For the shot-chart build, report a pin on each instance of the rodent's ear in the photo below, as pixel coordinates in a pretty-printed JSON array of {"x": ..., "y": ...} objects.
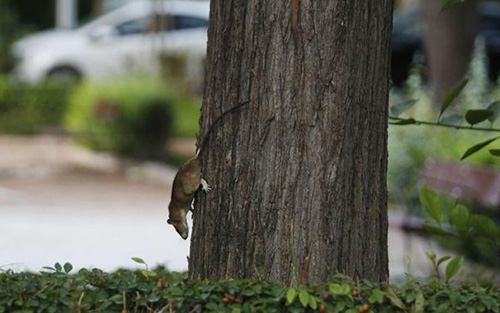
[{"x": 170, "y": 222}]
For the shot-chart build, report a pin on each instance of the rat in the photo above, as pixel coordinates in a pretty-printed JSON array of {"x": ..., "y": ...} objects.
[{"x": 187, "y": 182}]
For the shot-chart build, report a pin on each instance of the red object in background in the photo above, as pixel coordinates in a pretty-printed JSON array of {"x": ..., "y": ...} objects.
[
  {"x": 472, "y": 183},
  {"x": 105, "y": 110}
]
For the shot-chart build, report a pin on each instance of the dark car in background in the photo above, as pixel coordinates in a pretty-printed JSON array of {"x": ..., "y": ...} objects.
[{"x": 408, "y": 40}]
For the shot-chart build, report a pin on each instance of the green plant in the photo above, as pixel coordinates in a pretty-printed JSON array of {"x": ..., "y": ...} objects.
[
  {"x": 131, "y": 116},
  {"x": 425, "y": 138},
  {"x": 459, "y": 132},
  {"x": 410, "y": 148},
  {"x": 448, "y": 4},
  {"x": 27, "y": 109},
  {"x": 457, "y": 224},
  {"x": 186, "y": 112},
  {"x": 452, "y": 268},
  {"x": 61, "y": 289},
  {"x": 454, "y": 121},
  {"x": 146, "y": 272}
]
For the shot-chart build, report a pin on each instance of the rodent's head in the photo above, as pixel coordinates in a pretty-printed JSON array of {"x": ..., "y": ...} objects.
[{"x": 181, "y": 227}]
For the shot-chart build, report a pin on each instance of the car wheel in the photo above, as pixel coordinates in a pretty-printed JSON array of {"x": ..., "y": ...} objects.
[
  {"x": 493, "y": 66},
  {"x": 64, "y": 73},
  {"x": 401, "y": 64}
]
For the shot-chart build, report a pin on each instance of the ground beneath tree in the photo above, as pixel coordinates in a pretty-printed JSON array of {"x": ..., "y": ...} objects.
[{"x": 62, "y": 203}]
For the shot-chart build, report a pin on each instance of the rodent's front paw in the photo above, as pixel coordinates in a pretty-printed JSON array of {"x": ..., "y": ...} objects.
[{"x": 205, "y": 186}]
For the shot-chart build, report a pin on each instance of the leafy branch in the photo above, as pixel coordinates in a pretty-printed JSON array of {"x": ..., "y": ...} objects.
[
  {"x": 452, "y": 268},
  {"x": 409, "y": 121},
  {"x": 473, "y": 117},
  {"x": 459, "y": 222},
  {"x": 450, "y": 3}
]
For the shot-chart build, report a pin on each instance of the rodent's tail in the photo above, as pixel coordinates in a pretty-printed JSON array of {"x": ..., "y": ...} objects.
[{"x": 207, "y": 135}]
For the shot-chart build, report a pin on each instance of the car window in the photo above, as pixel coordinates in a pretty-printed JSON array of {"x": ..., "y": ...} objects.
[
  {"x": 153, "y": 23},
  {"x": 133, "y": 27},
  {"x": 178, "y": 22},
  {"x": 187, "y": 22}
]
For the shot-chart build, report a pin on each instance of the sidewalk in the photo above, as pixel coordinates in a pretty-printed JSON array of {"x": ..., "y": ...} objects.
[{"x": 61, "y": 203}]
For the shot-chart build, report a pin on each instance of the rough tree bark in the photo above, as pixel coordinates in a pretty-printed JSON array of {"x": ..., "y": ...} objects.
[
  {"x": 308, "y": 152},
  {"x": 449, "y": 43}
]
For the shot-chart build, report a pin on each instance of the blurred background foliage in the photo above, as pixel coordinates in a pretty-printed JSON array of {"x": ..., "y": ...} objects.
[
  {"x": 412, "y": 146},
  {"x": 131, "y": 116},
  {"x": 29, "y": 109}
]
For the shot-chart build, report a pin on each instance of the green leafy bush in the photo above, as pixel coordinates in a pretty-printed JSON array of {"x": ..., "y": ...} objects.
[
  {"x": 475, "y": 235},
  {"x": 131, "y": 116},
  {"x": 27, "y": 109},
  {"x": 58, "y": 290},
  {"x": 186, "y": 111}
]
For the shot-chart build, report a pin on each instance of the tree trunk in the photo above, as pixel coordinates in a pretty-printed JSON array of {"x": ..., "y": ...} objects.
[
  {"x": 299, "y": 173},
  {"x": 449, "y": 44},
  {"x": 97, "y": 7}
]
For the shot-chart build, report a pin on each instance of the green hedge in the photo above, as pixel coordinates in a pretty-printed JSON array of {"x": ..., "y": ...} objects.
[
  {"x": 58, "y": 290},
  {"x": 28, "y": 109},
  {"x": 129, "y": 116}
]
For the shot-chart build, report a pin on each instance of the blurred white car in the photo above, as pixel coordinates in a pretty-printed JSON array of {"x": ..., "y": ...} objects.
[{"x": 128, "y": 39}]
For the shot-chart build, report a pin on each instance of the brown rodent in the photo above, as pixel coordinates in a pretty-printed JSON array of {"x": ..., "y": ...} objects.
[{"x": 187, "y": 181}]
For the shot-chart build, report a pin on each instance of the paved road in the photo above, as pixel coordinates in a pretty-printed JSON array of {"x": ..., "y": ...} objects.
[
  {"x": 60, "y": 203},
  {"x": 88, "y": 221}
]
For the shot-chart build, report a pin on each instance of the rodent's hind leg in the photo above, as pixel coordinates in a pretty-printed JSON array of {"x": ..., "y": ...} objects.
[{"x": 205, "y": 186}]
